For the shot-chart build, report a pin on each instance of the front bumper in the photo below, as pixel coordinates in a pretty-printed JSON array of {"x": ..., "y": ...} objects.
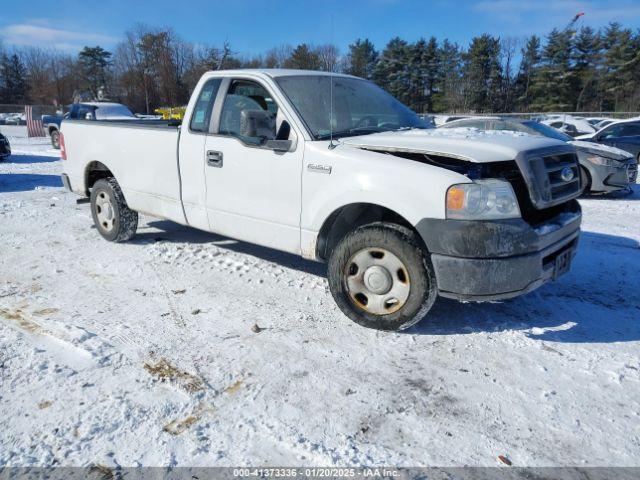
[
  {"x": 606, "y": 178},
  {"x": 491, "y": 260}
]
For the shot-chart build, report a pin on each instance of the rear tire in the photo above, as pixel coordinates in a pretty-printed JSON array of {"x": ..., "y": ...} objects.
[
  {"x": 112, "y": 216},
  {"x": 381, "y": 277},
  {"x": 55, "y": 139}
]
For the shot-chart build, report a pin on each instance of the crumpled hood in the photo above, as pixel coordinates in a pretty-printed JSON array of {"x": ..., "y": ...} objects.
[
  {"x": 600, "y": 149},
  {"x": 471, "y": 144}
]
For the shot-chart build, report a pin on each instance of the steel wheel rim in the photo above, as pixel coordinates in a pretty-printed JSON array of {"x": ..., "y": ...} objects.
[
  {"x": 377, "y": 281},
  {"x": 105, "y": 212}
]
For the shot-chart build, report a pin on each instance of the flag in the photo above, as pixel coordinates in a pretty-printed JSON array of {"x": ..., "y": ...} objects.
[{"x": 34, "y": 125}]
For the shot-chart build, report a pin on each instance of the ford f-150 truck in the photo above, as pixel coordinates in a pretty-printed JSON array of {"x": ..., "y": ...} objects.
[{"x": 333, "y": 168}]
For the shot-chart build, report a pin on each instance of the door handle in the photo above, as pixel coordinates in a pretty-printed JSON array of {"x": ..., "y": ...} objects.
[{"x": 214, "y": 159}]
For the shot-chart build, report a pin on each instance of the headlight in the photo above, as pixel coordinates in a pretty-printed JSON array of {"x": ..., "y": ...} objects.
[
  {"x": 600, "y": 160},
  {"x": 482, "y": 200}
]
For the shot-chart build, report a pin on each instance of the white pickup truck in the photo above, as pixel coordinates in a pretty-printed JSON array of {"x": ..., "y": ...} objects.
[{"x": 333, "y": 168}]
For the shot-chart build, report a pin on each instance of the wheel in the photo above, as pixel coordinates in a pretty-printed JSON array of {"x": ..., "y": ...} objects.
[
  {"x": 113, "y": 218},
  {"x": 55, "y": 139},
  {"x": 585, "y": 180},
  {"x": 381, "y": 278}
]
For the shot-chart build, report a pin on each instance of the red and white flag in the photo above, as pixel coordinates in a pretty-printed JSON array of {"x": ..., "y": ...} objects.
[{"x": 34, "y": 125}]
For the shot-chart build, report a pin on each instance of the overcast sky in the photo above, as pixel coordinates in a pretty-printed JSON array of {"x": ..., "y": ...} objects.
[{"x": 253, "y": 26}]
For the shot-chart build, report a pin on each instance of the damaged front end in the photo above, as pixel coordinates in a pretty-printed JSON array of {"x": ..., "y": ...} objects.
[{"x": 502, "y": 258}]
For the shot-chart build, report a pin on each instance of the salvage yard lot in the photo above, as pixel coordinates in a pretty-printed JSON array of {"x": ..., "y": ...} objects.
[{"x": 185, "y": 348}]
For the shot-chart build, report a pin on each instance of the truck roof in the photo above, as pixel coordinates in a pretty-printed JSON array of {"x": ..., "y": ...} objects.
[
  {"x": 100, "y": 104},
  {"x": 280, "y": 72}
]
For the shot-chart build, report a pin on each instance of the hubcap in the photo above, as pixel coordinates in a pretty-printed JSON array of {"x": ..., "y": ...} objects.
[
  {"x": 377, "y": 281},
  {"x": 105, "y": 211}
]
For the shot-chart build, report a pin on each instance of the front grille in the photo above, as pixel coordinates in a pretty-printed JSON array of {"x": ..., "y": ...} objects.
[
  {"x": 552, "y": 175},
  {"x": 556, "y": 177}
]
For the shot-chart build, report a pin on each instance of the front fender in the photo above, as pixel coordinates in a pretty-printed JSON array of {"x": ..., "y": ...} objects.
[{"x": 412, "y": 189}]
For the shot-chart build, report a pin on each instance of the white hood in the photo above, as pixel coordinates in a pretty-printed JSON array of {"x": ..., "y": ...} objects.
[
  {"x": 600, "y": 149},
  {"x": 470, "y": 144},
  {"x": 585, "y": 137}
]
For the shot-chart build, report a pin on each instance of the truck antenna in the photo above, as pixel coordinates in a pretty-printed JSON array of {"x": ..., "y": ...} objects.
[{"x": 331, "y": 144}]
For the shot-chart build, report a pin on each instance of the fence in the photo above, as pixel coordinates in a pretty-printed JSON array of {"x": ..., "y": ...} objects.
[{"x": 38, "y": 109}]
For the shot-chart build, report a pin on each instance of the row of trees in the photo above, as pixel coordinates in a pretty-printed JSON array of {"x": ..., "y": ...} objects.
[{"x": 584, "y": 70}]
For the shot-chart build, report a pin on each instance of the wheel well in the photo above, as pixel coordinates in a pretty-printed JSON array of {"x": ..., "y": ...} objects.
[
  {"x": 94, "y": 172},
  {"x": 588, "y": 178},
  {"x": 350, "y": 217},
  {"x": 52, "y": 129}
]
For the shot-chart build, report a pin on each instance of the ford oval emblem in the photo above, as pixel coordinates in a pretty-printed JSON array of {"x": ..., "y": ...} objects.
[{"x": 566, "y": 174}]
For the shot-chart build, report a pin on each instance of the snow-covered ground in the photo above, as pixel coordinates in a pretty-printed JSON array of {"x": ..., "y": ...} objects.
[{"x": 146, "y": 353}]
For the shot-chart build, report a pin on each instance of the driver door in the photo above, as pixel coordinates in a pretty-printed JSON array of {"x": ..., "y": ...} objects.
[{"x": 253, "y": 192}]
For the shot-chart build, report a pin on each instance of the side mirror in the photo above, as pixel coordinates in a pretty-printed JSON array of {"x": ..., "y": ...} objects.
[
  {"x": 278, "y": 145},
  {"x": 257, "y": 124}
]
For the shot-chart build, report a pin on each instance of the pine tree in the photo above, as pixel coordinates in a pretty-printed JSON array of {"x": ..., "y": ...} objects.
[
  {"x": 303, "y": 57},
  {"x": 528, "y": 67},
  {"x": 620, "y": 64},
  {"x": 483, "y": 73},
  {"x": 94, "y": 64},
  {"x": 13, "y": 76},
  {"x": 448, "y": 95},
  {"x": 551, "y": 85},
  {"x": 392, "y": 70},
  {"x": 585, "y": 78},
  {"x": 423, "y": 74},
  {"x": 362, "y": 59}
]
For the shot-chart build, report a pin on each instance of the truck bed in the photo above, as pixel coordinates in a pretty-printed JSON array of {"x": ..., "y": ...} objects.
[{"x": 141, "y": 154}]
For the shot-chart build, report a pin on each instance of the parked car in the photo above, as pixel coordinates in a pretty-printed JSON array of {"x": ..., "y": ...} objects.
[
  {"x": 602, "y": 168},
  {"x": 85, "y": 111},
  {"x": 624, "y": 135},
  {"x": 593, "y": 121},
  {"x": 604, "y": 123},
  {"x": 15, "y": 119},
  {"x": 442, "y": 119},
  {"x": 572, "y": 126},
  {"x": 5, "y": 148},
  {"x": 400, "y": 211}
]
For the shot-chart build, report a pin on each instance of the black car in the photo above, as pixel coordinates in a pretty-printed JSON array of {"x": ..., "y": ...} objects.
[
  {"x": 624, "y": 135},
  {"x": 5, "y": 148}
]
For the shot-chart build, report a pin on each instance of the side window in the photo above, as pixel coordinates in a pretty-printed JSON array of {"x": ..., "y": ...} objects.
[
  {"x": 83, "y": 111},
  {"x": 610, "y": 132},
  {"x": 630, "y": 130},
  {"x": 249, "y": 113},
  {"x": 202, "y": 111}
]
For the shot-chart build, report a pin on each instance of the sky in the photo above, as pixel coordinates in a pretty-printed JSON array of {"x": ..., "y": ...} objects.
[{"x": 253, "y": 26}]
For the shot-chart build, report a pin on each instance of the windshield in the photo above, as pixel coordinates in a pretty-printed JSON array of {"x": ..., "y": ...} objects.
[
  {"x": 547, "y": 131},
  {"x": 111, "y": 111},
  {"x": 359, "y": 106}
]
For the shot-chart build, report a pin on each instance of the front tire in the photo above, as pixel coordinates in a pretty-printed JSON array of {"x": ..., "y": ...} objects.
[
  {"x": 55, "y": 139},
  {"x": 381, "y": 277},
  {"x": 112, "y": 216}
]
